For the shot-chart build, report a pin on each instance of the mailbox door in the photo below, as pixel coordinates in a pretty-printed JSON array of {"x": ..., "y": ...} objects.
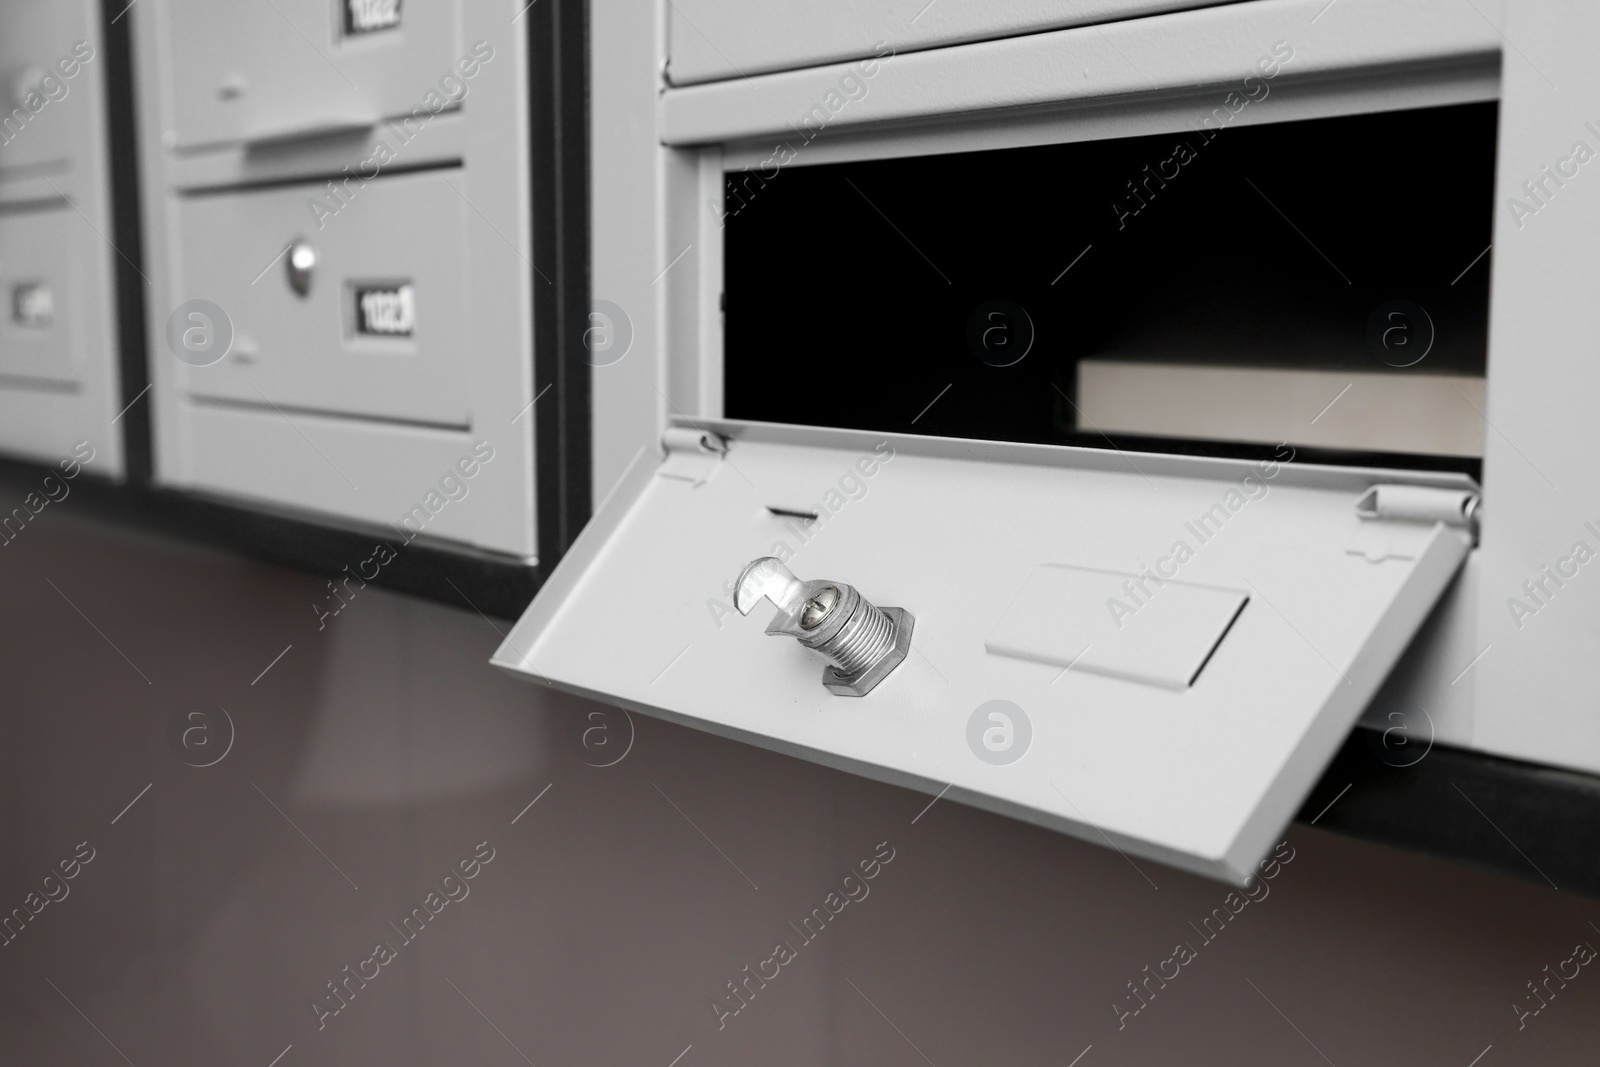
[
  {"x": 1258, "y": 608},
  {"x": 381, "y": 329},
  {"x": 715, "y": 39},
  {"x": 59, "y": 381},
  {"x": 42, "y": 56},
  {"x": 261, "y": 72}
]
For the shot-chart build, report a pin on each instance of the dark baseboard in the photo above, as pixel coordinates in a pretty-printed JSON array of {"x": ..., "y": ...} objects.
[
  {"x": 494, "y": 585},
  {"x": 1520, "y": 819}
]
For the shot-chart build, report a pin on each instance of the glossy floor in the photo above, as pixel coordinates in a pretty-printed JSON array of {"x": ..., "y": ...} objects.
[{"x": 374, "y": 757}]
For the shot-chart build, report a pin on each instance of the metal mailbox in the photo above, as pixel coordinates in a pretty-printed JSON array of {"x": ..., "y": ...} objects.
[
  {"x": 1088, "y": 652},
  {"x": 59, "y": 379},
  {"x": 340, "y": 249}
]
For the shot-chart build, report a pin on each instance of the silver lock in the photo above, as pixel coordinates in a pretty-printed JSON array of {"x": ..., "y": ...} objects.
[
  {"x": 864, "y": 642},
  {"x": 302, "y": 258}
]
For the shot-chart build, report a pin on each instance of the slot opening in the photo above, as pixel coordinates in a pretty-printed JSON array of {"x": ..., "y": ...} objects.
[{"x": 1322, "y": 283}]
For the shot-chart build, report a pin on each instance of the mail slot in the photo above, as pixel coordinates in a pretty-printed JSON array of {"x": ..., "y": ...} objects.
[
  {"x": 381, "y": 328},
  {"x": 296, "y": 68}
]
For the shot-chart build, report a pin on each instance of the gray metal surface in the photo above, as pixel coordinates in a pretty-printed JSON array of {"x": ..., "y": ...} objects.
[
  {"x": 399, "y": 157},
  {"x": 59, "y": 383}
]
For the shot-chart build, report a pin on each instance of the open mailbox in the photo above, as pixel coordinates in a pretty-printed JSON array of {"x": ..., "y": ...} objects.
[
  {"x": 1264, "y": 603},
  {"x": 1117, "y": 358}
]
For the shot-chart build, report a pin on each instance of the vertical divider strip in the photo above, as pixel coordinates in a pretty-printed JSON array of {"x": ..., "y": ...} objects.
[
  {"x": 123, "y": 165},
  {"x": 559, "y": 164}
]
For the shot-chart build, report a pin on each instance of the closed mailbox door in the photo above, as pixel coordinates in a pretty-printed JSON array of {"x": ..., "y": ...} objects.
[
  {"x": 42, "y": 59},
  {"x": 381, "y": 329},
  {"x": 715, "y": 39},
  {"x": 1160, "y": 653},
  {"x": 294, "y": 67}
]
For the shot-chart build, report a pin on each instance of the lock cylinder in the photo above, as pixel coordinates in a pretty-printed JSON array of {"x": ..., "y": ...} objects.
[
  {"x": 863, "y": 642},
  {"x": 863, "y": 638}
]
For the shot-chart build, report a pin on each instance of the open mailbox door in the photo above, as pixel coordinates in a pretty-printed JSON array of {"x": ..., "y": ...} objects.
[{"x": 1157, "y": 652}]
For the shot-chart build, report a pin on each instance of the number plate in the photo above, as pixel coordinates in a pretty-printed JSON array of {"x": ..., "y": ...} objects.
[
  {"x": 33, "y": 304},
  {"x": 369, "y": 16},
  {"x": 389, "y": 311}
]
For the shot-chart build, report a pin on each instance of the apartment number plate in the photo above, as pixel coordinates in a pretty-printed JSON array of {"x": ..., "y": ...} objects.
[
  {"x": 385, "y": 311},
  {"x": 33, "y": 304},
  {"x": 369, "y": 16}
]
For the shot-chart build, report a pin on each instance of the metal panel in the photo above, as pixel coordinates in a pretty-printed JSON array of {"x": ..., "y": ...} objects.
[
  {"x": 409, "y": 479},
  {"x": 305, "y": 413},
  {"x": 1201, "y": 777},
  {"x": 631, "y": 175},
  {"x": 39, "y": 47},
  {"x": 716, "y": 39},
  {"x": 59, "y": 383},
  {"x": 1533, "y": 658},
  {"x": 287, "y": 69},
  {"x": 1095, "y": 65}
]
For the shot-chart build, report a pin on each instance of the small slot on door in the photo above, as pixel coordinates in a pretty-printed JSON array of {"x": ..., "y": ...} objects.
[{"x": 793, "y": 513}]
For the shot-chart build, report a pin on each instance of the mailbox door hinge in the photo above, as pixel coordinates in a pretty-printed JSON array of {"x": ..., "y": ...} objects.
[
  {"x": 691, "y": 455},
  {"x": 1394, "y": 520}
]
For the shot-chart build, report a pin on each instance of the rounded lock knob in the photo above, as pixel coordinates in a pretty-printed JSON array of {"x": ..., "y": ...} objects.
[
  {"x": 863, "y": 642},
  {"x": 302, "y": 259}
]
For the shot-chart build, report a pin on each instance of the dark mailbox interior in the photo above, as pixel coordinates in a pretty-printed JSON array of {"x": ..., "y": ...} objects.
[{"x": 895, "y": 294}]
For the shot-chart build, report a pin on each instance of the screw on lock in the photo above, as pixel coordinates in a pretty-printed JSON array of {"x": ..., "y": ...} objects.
[{"x": 863, "y": 642}]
